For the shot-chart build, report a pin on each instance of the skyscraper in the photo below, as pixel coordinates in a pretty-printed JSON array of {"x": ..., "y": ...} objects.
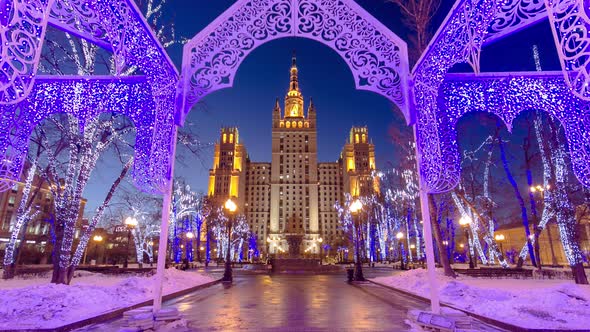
[{"x": 294, "y": 193}]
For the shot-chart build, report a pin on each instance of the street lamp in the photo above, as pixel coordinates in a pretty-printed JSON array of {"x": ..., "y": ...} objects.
[
  {"x": 130, "y": 222},
  {"x": 355, "y": 209},
  {"x": 189, "y": 236},
  {"x": 231, "y": 208},
  {"x": 399, "y": 236},
  {"x": 465, "y": 221},
  {"x": 320, "y": 240},
  {"x": 537, "y": 229},
  {"x": 96, "y": 238},
  {"x": 500, "y": 238},
  {"x": 151, "y": 244}
]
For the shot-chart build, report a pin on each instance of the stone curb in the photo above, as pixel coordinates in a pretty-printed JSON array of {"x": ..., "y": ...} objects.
[
  {"x": 491, "y": 321},
  {"x": 115, "y": 313}
]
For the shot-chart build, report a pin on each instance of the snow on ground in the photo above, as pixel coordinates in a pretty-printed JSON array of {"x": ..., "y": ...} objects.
[
  {"x": 36, "y": 303},
  {"x": 530, "y": 303}
]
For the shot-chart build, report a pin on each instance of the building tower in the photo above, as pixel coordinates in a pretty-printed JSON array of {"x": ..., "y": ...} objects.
[
  {"x": 294, "y": 182},
  {"x": 358, "y": 158},
  {"x": 226, "y": 178}
]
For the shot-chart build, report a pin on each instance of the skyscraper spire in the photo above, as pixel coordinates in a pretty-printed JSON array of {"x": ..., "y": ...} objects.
[
  {"x": 294, "y": 100},
  {"x": 294, "y": 85}
]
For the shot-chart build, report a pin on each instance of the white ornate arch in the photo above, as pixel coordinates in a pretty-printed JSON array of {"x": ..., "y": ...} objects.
[{"x": 375, "y": 55}]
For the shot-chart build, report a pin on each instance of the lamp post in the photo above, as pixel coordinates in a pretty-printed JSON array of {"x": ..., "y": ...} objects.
[
  {"x": 231, "y": 208},
  {"x": 151, "y": 257},
  {"x": 399, "y": 236},
  {"x": 355, "y": 209},
  {"x": 96, "y": 238},
  {"x": 500, "y": 238},
  {"x": 130, "y": 222},
  {"x": 320, "y": 240},
  {"x": 465, "y": 221},
  {"x": 189, "y": 235}
]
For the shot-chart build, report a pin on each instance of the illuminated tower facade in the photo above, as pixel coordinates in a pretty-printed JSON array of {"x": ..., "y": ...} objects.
[
  {"x": 358, "y": 160},
  {"x": 293, "y": 195},
  {"x": 294, "y": 177},
  {"x": 227, "y": 177}
]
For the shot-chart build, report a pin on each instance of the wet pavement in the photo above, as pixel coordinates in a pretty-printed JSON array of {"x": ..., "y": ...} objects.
[{"x": 292, "y": 303}]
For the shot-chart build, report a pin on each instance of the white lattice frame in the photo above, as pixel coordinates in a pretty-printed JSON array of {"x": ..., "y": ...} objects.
[{"x": 376, "y": 56}]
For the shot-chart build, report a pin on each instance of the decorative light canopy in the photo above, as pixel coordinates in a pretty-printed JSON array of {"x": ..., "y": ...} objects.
[
  {"x": 376, "y": 57},
  {"x": 116, "y": 25},
  {"x": 469, "y": 25},
  {"x": 156, "y": 101}
]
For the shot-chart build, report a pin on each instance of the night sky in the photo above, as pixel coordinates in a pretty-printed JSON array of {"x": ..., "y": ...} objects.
[{"x": 264, "y": 76}]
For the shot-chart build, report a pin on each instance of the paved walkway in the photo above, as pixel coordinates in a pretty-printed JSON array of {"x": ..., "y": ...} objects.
[{"x": 292, "y": 303}]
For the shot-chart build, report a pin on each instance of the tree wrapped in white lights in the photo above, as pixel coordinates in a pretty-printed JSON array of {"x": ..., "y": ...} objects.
[
  {"x": 145, "y": 210},
  {"x": 72, "y": 145},
  {"x": 24, "y": 214},
  {"x": 184, "y": 211},
  {"x": 219, "y": 224}
]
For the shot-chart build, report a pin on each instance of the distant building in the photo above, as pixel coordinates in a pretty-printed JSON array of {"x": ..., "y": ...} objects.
[
  {"x": 37, "y": 231},
  {"x": 294, "y": 193}
]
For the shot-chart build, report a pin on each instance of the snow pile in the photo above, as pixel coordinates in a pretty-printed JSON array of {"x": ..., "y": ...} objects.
[
  {"x": 48, "y": 305},
  {"x": 548, "y": 304}
]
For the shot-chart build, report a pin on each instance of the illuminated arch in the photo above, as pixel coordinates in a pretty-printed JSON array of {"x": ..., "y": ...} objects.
[
  {"x": 118, "y": 27},
  {"x": 376, "y": 57},
  {"x": 508, "y": 94}
]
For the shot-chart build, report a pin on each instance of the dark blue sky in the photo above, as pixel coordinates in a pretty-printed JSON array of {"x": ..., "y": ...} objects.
[{"x": 264, "y": 75}]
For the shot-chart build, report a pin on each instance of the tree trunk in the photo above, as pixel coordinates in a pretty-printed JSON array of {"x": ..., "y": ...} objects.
[
  {"x": 9, "y": 271},
  {"x": 579, "y": 274},
  {"x": 55, "y": 252},
  {"x": 444, "y": 259},
  {"x": 62, "y": 276}
]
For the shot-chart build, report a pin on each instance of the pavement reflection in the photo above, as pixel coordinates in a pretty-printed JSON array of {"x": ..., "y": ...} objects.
[{"x": 293, "y": 303}]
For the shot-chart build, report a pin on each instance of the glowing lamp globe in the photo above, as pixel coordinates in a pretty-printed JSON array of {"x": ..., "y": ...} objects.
[
  {"x": 131, "y": 222},
  {"x": 465, "y": 220},
  {"x": 230, "y": 206},
  {"x": 356, "y": 206}
]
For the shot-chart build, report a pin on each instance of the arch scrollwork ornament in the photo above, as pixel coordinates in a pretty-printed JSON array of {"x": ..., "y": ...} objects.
[
  {"x": 376, "y": 56},
  {"x": 570, "y": 21},
  {"x": 459, "y": 40},
  {"x": 149, "y": 101},
  {"x": 23, "y": 24},
  {"x": 508, "y": 94},
  {"x": 515, "y": 15}
]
